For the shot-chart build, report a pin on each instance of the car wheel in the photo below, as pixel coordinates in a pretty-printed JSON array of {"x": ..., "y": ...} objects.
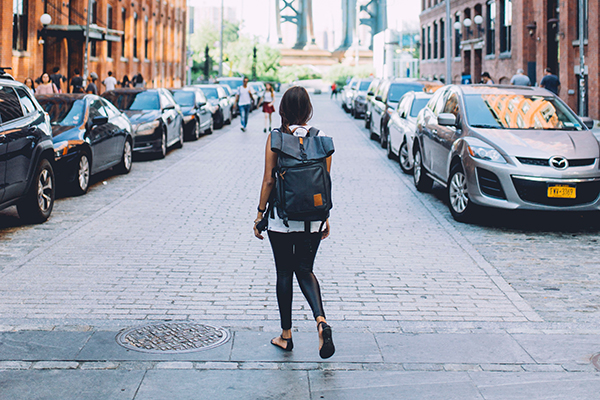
[
  {"x": 423, "y": 183},
  {"x": 162, "y": 153},
  {"x": 195, "y": 130},
  {"x": 82, "y": 176},
  {"x": 383, "y": 139},
  {"x": 403, "y": 158},
  {"x": 374, "y": 136},
  {"x": 219, "y": 120},
  {"x": 124, "y": 167},
  {"x": 179, "y": 143},
  {"x": 37, "y": 204},
  {"x": 459, "y": 203},
  {"x": 388, "y": 150},
  {"x": 367, "y": 122}
]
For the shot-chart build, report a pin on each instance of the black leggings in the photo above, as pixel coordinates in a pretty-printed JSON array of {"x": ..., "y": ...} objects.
[{"x": 295, "y": 253}]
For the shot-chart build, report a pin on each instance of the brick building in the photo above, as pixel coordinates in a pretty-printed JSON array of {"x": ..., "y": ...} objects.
[
  {"x": 501, "y": 36},
  {"x": 126, "y": 36}
]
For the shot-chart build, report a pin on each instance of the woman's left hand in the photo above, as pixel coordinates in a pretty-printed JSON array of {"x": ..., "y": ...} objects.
[{"x": 326, "y": 231}]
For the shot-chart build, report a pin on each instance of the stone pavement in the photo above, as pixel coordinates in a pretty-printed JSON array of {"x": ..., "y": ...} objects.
[{"x": 422, "y": 307}]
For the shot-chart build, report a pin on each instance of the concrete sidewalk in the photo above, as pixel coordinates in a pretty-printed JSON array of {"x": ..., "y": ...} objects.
[{"x": 84, "y": 363}]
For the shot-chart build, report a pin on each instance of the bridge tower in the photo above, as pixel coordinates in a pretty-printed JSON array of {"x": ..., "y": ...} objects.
[
  {"x": 299, "y": 13},
  {"x": 376, "y": 20}
]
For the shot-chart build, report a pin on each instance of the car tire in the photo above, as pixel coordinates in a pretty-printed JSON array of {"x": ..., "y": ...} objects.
[
  {"x": 388, "y": 149},
  {"x": 460, "y": 205},
  {"x": 195, "y": 131},
  {"x": 124, "y": 166},
  {"x": 367, "y": 122},
  {"x": 403, "y": 158},
  {"x": 36, "y": 206},
  {"x": 422, "y": 182},
  {"x": 162, "y": 153},
  {"x": 219, "y": 120},
  {"x": 374, "y": 136},
  {"x": 81, "y": 183},
  {"x": 383, "y": 139},
  {"x": 179, "y": 143}
]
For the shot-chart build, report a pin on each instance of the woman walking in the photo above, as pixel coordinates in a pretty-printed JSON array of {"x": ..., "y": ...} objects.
[
  {"x": 47, "y": 86},
  {"x": 294, "y": 243},
  {"x": 268, "y": 105},
  {"x": 29, "y": 83}
]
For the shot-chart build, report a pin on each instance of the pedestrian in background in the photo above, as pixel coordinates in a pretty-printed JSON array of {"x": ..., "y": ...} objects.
[
  {"x": 139, "y": 81},
  {"x": 486, "y": 79},
  {"x": 520, "y": 79},
  {"x": 29, "y": 83},
  {"x": 77, "y": 82},
  {"x": 243, "y": 100},
  {"x": 47, "y": 86},
  {"x": 294, "y": 243},
  {"x": 125, "y": 83},
  {"x": 91, "y": 87},
  {"x": 550, "y": 81},
  {"x": 110, "y": 82},
  {"x": 57, "y": 78},
  {"x": 334, "y": 90},
  {"x": 268, "y": 105}
]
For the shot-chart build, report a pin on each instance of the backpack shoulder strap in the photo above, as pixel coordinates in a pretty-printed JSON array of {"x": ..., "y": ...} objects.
[{"x": 312, "y": 132}]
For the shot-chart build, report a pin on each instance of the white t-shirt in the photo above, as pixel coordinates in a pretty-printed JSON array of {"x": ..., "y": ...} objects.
[
  {"x": 276, "y": 224},
  {"x": 268, "y": 96},
  {"x": 110, "y": 83},
  {"x": 244, "y": 93}
]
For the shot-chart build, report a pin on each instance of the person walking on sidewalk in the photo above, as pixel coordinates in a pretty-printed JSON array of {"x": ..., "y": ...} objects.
[
  {"x": 550, "y": 81},
  {"x": 294, "y": 243},
  {"x": 520, "y": 79},
  {"x": 57, "y": 78},
  {"x": 110, "y": 82},
  {"x": 47, "y": 86},
  {"x": 244, "y": 100},
  {"x": 268, "y": 105},
  {"x": 334, "y": 90}
]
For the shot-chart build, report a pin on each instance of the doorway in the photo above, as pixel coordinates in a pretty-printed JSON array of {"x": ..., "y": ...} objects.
[{"x": 553, "y": 37}]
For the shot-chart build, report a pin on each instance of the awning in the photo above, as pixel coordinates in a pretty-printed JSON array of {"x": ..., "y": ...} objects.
[{"x": 79, "y": 31}]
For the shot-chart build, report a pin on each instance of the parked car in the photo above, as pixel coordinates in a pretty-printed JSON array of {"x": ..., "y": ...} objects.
[
  {"x": 368, "y": 98},
  {"x": 358, "y": 104},
  {"x": 402, "y": 127},
  {"x": 220, "y": 106},
  {"x": 232, "y": 81},
  {"x": 27, "y": 155},
  {"x": 386, "y": 100},
  {"x": 234, "y": 110},
  {"x": 155, "y": 116},
  {"x": 507, "y": 147},
  {"x": 90, "y": 136},
  {"x": 197, "y": 118},
  {"x": 347, "y": 92}
]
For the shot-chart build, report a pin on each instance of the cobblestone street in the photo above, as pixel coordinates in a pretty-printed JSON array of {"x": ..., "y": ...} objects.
[{"x": 508, "y": 307}]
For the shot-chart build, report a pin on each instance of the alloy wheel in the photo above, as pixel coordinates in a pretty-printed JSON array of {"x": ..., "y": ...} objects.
[
  {"x": 83, "y": 174},
  {"x": 404, "y": 158},
  {"x": 457, "y": 192},
  {"x": 45, "y": 189},
  {"x": 127, "y": 155}
]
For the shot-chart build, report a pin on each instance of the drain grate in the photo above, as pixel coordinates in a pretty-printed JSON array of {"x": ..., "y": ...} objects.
[
  {"x": 173, "y": 337},
  {"x": 596, "y": 361}
]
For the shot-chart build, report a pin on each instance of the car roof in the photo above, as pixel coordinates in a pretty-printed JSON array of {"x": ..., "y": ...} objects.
[
  {"x": 63, "y": 96},
  {"x": 132, "y": 90},
  {"x": 491, "y": 89}
]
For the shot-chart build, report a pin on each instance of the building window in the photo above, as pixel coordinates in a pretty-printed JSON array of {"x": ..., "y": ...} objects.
[
  {"x": 457, "y": 37},
  {"x": 146, "y": 37},
  {"x": 124, "y": 19},
  {"x": 423, "y": 37},
  {"x": 585, "y": 20},
  {"x": 490, "y": 42},
  {"x": 93, "y": 48},
  {"x": 94, "y": 16},
  {"x": 505, "y": 31},
  {"x": 442, "y": 39},
  {"x": 20, "y": 12},
  {"x": 429, "y": 43},
  {"x": 109, "y": 25},
  {"x": 135, "y": 33},
  {"x": 435, "y": 40}
]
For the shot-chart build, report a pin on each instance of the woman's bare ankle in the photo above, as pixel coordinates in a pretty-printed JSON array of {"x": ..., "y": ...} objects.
[{"x": 286, "y": 333}]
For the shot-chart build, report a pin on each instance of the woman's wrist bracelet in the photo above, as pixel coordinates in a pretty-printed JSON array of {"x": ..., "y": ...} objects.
[{"x": 259, "y": 210}]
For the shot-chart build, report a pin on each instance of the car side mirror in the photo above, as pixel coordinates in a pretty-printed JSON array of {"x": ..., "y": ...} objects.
[
  {"x": 370, "y": 93},
  {"x": 378, "y": 98},
  {"x": 200, "y": 105},
  {"x": 99, "y": 120},
  {"x": 169, "y": 107},
  {"x": 447, "y": 119},
  {"x": 587, "y": 121}
]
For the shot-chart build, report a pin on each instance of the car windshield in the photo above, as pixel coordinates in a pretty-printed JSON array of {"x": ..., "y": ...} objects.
[
  {"x": 397, "y": 90},
  {"x": 184, "y": 98},
  {"x": 232, "y": 83},
  {"x": 210, "y": 93},
  {"x": 417, "y": 106},
  {"x": 364, "y": 85},
  {"x": 517, "y": 111},
  {"x": 147, "y": 100},
  {"x": 64, "y": 112}
]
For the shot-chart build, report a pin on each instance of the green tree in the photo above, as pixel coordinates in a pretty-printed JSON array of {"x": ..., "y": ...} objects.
[{"x": 208, "y": 35}]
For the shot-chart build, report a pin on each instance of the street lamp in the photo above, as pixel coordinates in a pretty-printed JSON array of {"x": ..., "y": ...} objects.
[
  {"x": 467, "y": 23},
  {"x": 45, "y": 20},
  {"x": 479, "y": 22}
]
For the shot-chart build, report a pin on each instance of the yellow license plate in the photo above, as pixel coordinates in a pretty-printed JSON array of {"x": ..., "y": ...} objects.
[{"x": 562, "y": 192}]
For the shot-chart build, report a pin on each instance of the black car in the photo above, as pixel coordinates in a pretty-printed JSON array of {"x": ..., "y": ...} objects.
[
  {"x": 26, "y": 153},
  {"x": 155, "y": 116},
  {"x": 90, "y": 135},
  {"x": 197, "y": 118}
]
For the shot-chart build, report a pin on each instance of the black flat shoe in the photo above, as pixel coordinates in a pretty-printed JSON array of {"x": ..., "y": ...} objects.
[
  {"x": 328, "y": 348},
  {"x": 289, "y": 344}
]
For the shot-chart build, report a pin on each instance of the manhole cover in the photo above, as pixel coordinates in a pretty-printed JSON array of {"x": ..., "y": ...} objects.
[
  {"x": 173, "y": 337},
  {"x": 596, "y": 361}
]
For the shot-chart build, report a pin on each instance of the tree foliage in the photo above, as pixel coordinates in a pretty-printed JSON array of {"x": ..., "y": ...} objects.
[{"x": 341, "y": 73}]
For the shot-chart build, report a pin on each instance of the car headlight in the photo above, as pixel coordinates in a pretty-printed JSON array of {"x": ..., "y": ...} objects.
[
  {"x": 486, "y": 153},
  {"x": 147, "y": 129},
  {"x": 61, "y": 149}
]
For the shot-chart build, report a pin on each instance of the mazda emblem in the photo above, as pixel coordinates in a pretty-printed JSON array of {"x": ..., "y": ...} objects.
[{"x": 559, "y": 162}]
